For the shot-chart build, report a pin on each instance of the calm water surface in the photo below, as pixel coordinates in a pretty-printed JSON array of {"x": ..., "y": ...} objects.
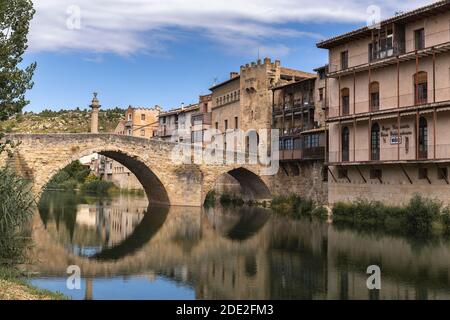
[{"x": 127, "y": 249}]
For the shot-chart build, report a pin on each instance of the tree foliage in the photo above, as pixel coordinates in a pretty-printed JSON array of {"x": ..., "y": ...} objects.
[{"x": 15, "y": 17}]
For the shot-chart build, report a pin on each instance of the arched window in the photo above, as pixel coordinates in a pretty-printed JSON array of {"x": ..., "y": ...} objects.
[
  {"x": 345, "y": 144},
  {"x": 375, "y": 142},
  {"x": 374, "y": 96},
  {"x": 420, "y": 87},
  {"x": 423, "y": 138},
  {"x": 345, "y": 100}
]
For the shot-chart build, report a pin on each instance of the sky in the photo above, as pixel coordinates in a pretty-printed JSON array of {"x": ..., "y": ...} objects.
[{"x": 167, "y": 52}]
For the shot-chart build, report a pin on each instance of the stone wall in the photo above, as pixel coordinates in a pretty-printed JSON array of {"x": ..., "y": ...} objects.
[
  {"x": 394, "y": 187},
  {"x": 304, "y": 179},
  {"x": 39, "y": 157}
]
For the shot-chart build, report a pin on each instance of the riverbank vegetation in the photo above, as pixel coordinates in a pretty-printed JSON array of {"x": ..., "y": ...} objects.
[
  {"x": 420, "y": 217},
  {"x": 76, "y": 176},
  {"x": 296, "y": 207}
]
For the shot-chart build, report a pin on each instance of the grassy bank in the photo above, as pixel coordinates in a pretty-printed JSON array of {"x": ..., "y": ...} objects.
[
  {"x": 226, "y": 199},
  {"x": 420, "y": 217},
  {"x": 14, "y": 287},
  {"x": 296, "y": 207}
]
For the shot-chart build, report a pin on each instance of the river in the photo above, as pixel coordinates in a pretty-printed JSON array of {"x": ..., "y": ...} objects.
[{"x": 126, "y": 249}]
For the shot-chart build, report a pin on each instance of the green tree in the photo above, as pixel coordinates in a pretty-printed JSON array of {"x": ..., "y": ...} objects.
[{"x": 15, "y": 17}]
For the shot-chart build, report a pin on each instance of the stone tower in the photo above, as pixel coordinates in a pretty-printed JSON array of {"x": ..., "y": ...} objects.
[{"x": 94, "y": 114}]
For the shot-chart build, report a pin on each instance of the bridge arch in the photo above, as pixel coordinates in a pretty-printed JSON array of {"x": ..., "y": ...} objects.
[
  {"x": 154, "y": 188},
  {"x": 252, "y": 187}
]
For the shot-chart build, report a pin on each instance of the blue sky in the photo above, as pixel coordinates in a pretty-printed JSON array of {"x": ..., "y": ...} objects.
[{"x": 148, "y": 52}]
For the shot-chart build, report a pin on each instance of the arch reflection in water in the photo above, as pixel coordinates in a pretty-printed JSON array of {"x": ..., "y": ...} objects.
[
  {"x": 239, "y": 253},
  {"x": 237, "y": 223},
  {"x": 100, "y": 228}
]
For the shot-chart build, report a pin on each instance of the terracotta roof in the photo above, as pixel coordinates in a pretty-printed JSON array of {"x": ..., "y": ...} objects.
[
  {"x": 190, "y": 107},
  {"x": 292, "y": 83},
  {"x": 224, "y": 82},
  {"x": 428, "y": 10}
]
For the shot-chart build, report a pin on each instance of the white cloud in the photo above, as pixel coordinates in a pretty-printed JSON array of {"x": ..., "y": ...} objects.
[{"x": 128, "y": 26}]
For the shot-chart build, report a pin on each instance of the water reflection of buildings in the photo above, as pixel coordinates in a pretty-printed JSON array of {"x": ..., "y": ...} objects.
[
  {"x": 227, "y": 254},
  {"x": 91, "y": 227},
  {"x": 113, "y": 224}
]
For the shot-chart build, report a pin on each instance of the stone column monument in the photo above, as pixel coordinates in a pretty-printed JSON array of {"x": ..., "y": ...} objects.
[{"x": 94, "y": 114}]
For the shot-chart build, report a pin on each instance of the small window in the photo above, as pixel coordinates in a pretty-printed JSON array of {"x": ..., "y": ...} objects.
[
  {"x": 325, "y": 174},
  {"x": 344, "y": 60},
  {"x": 142, "y": 133},
  {"x": 345, "y": 99},
  {"x": 216, "y": 125},
  {"x": 226, "y": 125},
  {"x": 342, "y": 173},
  {"x": 419, "y": 39},
  {"x": 236, "y": 123},
  {"x": 129, "y": 117},
  {"x": 376, "y": 174},
  {"x": 321, "y": 94},
  {"x": 374, "y": 96},
  {"x": 143, "y": 117},
  {"x": 442, "y": 173},
  {"x": 423, "y": 173}
]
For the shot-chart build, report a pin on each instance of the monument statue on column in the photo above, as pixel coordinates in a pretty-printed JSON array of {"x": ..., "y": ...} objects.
[{"x": 95, "y": 106}]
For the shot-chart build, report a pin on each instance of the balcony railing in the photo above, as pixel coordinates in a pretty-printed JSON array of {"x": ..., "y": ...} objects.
[
  {"x": 298, "y": 106},
  {"x": 391, "y": 154},
  {"x": 314, "y": 153}
]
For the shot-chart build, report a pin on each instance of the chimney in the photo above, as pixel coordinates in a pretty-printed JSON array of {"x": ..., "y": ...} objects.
[
  {"x": 182, "y": 106},
  {"x": 233, "y": 74}
]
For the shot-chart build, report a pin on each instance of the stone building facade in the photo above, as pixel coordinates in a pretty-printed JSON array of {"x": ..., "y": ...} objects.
[
  {"x": 139, "y": 122},
  {"x": 245, "y": 101},
  {"x": 389, "y": 96},
  {"x": 175, "y": 124}
]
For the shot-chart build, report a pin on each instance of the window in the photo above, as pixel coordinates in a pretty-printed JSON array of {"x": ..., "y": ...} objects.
[
  {"x": 420, "y": 87},
  {"x": 376, "y": 174},
  {"x": 342, "y": 173},
  {"x": 142, "y": 117},
  {"x": 375, "y": 142},
  {"x": 226, "y": 125},
  {"x": 163, "y": 120},
  {"x": 129, "y": 117},
  {"x": 374, "y": 96},
  {"x": 321, "y": 94},
  {"x": 311, "y": 141},
  {"x": 423, "y": 138},
  {"x": 216, "y": 125},
  {"x": 419, "y": 39},
  {"x": 423, "y": 173},
  {"x": 345, "y": 97},
  {"x": 442, "y": 173},
  {"x": 288, "y": 144},
  {"x": 236, "y": 123},
  {"x": 382, "y": 47},
  {"x": 325, "y": 174},
  {"x": 344, "y": 60},
  {"x": 345, "y": 144},
  {"x": 129, "y": 132},
  {"x": 142, "y": 133},
  {"x": 297, "y": 144}
]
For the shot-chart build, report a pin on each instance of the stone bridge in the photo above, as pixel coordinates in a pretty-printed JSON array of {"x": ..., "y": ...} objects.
[{"x": 40, "y": 156}]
